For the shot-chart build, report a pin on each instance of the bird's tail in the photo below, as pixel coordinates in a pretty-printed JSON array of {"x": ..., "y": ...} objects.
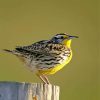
[
  {"x": 9, "y": 51},
  {"x": 12, "y": 52}
]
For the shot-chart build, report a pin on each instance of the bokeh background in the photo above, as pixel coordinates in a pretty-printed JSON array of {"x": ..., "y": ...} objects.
[{"x": 23, "y": 22}]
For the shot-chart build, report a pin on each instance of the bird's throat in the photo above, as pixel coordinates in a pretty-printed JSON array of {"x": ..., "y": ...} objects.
[{"x": 67, "y": 43}]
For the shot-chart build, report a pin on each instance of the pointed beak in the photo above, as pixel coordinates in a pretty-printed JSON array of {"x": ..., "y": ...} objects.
[{"x": 71, "y": 37}]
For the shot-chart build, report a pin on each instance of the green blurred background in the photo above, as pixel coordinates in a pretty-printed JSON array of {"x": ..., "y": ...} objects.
[{"x": 23, "y": 22}]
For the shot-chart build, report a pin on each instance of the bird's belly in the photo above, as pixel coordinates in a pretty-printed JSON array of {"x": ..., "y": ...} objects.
[
  {"x": 48, "y": 64},
  {"x": 56, "y": 67}
]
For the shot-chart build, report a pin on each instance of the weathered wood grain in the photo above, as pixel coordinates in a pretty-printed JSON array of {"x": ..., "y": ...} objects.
[{"x": 28, "y": 91}]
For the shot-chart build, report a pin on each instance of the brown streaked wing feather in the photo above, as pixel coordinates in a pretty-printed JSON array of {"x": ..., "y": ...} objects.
[{"x": 42, "y": 47}]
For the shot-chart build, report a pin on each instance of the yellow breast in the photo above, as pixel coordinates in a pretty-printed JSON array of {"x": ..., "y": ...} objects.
[{"x": 56, "y": 68}]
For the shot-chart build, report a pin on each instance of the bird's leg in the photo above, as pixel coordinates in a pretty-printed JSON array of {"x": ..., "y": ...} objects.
[
  {"x": 46, "y": 79},
  {"x": 42, "y": 78}
]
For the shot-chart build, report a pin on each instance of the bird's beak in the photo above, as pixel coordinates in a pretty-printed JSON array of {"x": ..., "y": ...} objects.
[{"x": 71, "y": 37}]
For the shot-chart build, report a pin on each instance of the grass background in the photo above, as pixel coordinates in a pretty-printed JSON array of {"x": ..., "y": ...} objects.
[{"x": 24, "y": 22}]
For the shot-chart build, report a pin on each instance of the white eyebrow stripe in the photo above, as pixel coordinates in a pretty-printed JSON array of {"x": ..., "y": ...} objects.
[{"x": 57, "y": 36}]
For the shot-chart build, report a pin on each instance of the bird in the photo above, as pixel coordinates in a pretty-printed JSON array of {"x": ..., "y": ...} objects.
[{"x": 46, "y": 57}]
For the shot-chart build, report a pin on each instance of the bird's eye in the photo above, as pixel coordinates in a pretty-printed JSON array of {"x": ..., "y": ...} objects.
[
  {"x": 56, "y": 38},
  {"x": 62, "y": 37}
]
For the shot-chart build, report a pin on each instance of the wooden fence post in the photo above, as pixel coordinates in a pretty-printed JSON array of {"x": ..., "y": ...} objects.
[{"x": 28, "y": 91}]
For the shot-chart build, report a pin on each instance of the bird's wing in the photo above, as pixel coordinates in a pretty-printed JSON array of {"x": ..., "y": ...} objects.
[{"x": 43, "y": 46}]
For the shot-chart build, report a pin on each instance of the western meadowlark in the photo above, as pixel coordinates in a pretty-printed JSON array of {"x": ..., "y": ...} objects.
[{"x": 47, "y": 56}]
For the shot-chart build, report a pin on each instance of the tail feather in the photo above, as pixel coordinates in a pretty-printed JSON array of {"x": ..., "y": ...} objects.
[
  {"x": 10, "y": 51},
  {"x": 15, "y": 52}
]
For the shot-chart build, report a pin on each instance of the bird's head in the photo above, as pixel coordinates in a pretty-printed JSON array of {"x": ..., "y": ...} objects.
[{"x": 63, "y": 38}]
